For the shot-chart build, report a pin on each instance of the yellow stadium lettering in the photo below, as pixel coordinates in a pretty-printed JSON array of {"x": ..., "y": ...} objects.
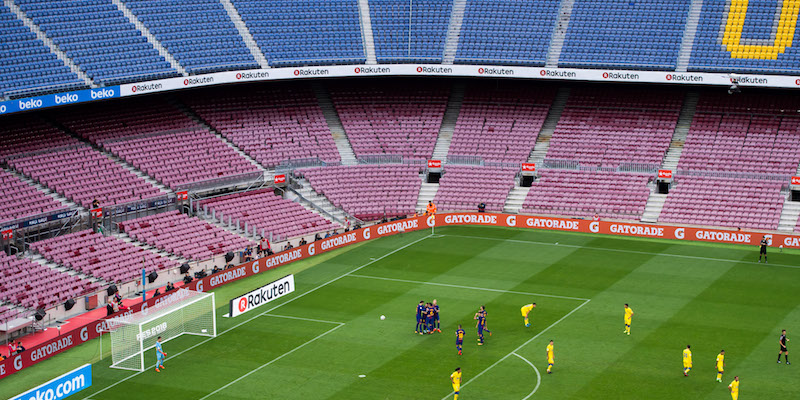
[{"x": 784, "y": 33}]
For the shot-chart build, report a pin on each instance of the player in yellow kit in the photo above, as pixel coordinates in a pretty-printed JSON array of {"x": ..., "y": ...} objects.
[
  {"x": 550, "y": 358},
  {"x": 720, "y": 365},
  {"x": 526, "y": 309},
  {"x": 455, "y": 379},
  {"x": 734, "y": 388},
  {"x": 628, "y": 317},
  {"x": 687, "y": 360}
]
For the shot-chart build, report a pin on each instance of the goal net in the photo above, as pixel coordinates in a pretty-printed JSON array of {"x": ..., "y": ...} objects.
[{"x": 183, "y": 312}]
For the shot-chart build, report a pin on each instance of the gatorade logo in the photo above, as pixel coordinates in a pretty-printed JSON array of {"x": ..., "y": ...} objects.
[
  {"x": 199, "y": 286},
  {"x": 312, "y": 249},
  {"x": 243, "y": 304},
  {"x": 680, "y": 233},
  {"x": 511, "y": 220},
  {"x": 18, "y": 363},
  {"x": 255, "y": 267},
  {"x": 366, "y": 233},
  {"x": 594, "y": 227},
  {"x": 431, "y": 221},
  {"x": 84, "y": 334}
]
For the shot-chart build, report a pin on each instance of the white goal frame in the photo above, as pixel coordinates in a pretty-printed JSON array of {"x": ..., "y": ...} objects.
[{"x": 141, "y": 325}]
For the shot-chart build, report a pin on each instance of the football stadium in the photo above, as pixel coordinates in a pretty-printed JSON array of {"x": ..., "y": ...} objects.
[{"x": 249, "y": 199}]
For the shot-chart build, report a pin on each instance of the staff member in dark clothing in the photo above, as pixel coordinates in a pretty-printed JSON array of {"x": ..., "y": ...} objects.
[
  {"x": 783, "y": 341},
  {"x": 763, "y": 251}
]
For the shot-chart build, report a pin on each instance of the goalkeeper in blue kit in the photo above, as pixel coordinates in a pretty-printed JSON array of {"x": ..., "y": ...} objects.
[{"x": 160, "y": 355}]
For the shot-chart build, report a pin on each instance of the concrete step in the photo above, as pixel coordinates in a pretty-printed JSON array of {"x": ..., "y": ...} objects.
[
  {"x": 789, "y": 215},
  {"x": 652, "y": 210},
  {"x": 366, "y": 32},
  {"x": 426, "y": 193},
  {"x": 445, "y": 137},
  {"x": 539, "y": 151},
  {"x": 173, "y": 62},
  {"x": 559, "y": 33},
  {"x": 454, "y": 31},
  {"x": 244, "y": 32},
  {"x": 335, "y": 125},
  {"x": 516, "y": 197}
]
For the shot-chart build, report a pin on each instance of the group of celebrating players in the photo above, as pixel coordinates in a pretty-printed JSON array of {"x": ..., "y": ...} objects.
[{"x": 480, "y": 316}]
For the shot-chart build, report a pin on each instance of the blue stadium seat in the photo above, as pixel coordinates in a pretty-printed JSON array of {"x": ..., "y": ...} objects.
[{"x": 422, "y": 41}]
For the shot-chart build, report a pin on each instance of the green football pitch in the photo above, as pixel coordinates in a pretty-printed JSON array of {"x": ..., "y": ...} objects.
[{"x": 327, "y": 340}]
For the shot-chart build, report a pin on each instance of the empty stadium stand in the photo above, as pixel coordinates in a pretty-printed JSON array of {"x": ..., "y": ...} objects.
[
  {"x": 264, "y": 210},
  {"x": 409, "y": 31},
  {"x": 99, "y": 38},
  {"x": 27, "y": 64},
  {"x": 32, "y": 285},
  {"x": 272, "y": 124},
  {"x": 500, "y": 124},
  {"x": 397, "y": 118},
  {"x": 463, "y": 187},
  {"x": 625, "y": 34},
  {"x": 305, "y": 32},
  {"x": 361, "y": 190},
  {"x": 199, "y": 34},
  {"x": 184, "y": 236},
  {"x": 27, "y": 134},
  {"x": 21, "y": 200},
  {"x": 755, "y": 36},
  {"x": 507, "y": 32},
  {"x": 105, "y": 257}
]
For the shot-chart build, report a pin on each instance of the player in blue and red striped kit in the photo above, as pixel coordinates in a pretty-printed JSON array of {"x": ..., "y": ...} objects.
[
  {"x": 481, "y": 317},
  {"x": 420, "y": 329}
]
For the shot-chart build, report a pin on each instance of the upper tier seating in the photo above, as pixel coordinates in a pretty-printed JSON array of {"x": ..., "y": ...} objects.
[
  {"x": 82, "y": 174},
  {"x": 8, "y": 314},
  {"x": 27, "y": 64},
  {"x": 22, "y": 134},
  {"x": 459, "y": 188},
  {"x": 105, "y": 257},
  {"x": 33, "y": 285},
  {"x": 99, "y": 38},
  {"x": 362, "y": 192},
  {"x": 305, "y": 32},
  {"x": 625, "y": 34},
  {"x": 754, "y": 40},
  {"x": 421, "y": 41},
  {"x": 266, "y": 211},
  {"x": 184, "y": 236},
  {"x": 400, "y": 118},
  {"x": 182, "y": 158},
  {"x": 607, "y": 128},
  {"x": 271, "y": 123},
  {"x": 200, "y": 34},
  {"x": 500, "y": 125},
  {"x": 506, "y": 31},
  {"x": 584, "y": 194},
  {"x": 21, "y": 200},
  {"x": 730, "y": 202}
]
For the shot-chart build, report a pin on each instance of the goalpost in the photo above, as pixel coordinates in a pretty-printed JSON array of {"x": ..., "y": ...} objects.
[{"x": 183, "y": 312}]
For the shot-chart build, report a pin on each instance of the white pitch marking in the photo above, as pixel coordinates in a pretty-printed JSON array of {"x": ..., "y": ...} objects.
[{"x": 538, "y": 376}]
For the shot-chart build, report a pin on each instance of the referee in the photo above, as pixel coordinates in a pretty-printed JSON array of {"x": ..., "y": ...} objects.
[
  {"x": 763, "y": 250},
  {"x": 783, "y": 350}
]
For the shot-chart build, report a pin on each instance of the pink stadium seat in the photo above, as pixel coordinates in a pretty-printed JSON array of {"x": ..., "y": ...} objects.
[
  {"x": 32, "y": 285},
  {"x": 463, "y": 187}
]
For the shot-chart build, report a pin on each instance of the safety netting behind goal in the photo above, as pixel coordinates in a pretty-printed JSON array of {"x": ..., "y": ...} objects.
[{"x": 176, "y": 314}]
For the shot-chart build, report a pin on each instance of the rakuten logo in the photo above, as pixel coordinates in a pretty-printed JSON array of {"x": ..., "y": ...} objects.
[
  {"x": 555, "y": 73},
  {"x": 752, "y": 80},
  {"x": 66, "y": 98},
  {"x": 434, "y": 70},
  {"x": 311, "y": 72},
  {"x": 198, "y": 81},
  {"x": 146, "y": 87},
  {"x": 621, "y": 75},
  {"x": 372, "y": 70},
  {"x": 32, "y": 103},
  {"x": 252, "y": 75},
  {"x": 102, "y": 93},
  {"x": 495, "y": 71},
  {"x": 684, "y": 78}
]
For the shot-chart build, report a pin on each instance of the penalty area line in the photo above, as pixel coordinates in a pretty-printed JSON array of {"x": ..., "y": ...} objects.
[
  {"x": 538, "y": 376},
  {"x": 520, "y": 347},
  {"x": 266, "y": 312}
]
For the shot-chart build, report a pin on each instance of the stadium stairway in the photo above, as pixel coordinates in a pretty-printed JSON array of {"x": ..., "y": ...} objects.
[
  {"x": 454, "y": 31},
  {"x": 48, "y": 42},
  {"x": 200, "y": 121},
  {"x": 549, "y": 126},
  {"x": 655, "y": 203},
  {"x": 449, "y": 120},
  {"x": 44, "y": 189},
  {"x": 366, "y": 31},
  {"x": 516, "y": 197},
  {"x": 426, "y": 193},
  {"x": 319, "y": 202},
  {"x": 244, "y": 32},
  {"x": 335, "y": 124},
  {"x": 559, "y": 33},
  {"x": 790, "y": 212},
  {"x": 687, "y": 44},
  {"x": 150, "y": 38}
]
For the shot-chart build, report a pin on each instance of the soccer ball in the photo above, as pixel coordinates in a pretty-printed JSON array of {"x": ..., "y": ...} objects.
[{"x": 383, "y": 317}]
